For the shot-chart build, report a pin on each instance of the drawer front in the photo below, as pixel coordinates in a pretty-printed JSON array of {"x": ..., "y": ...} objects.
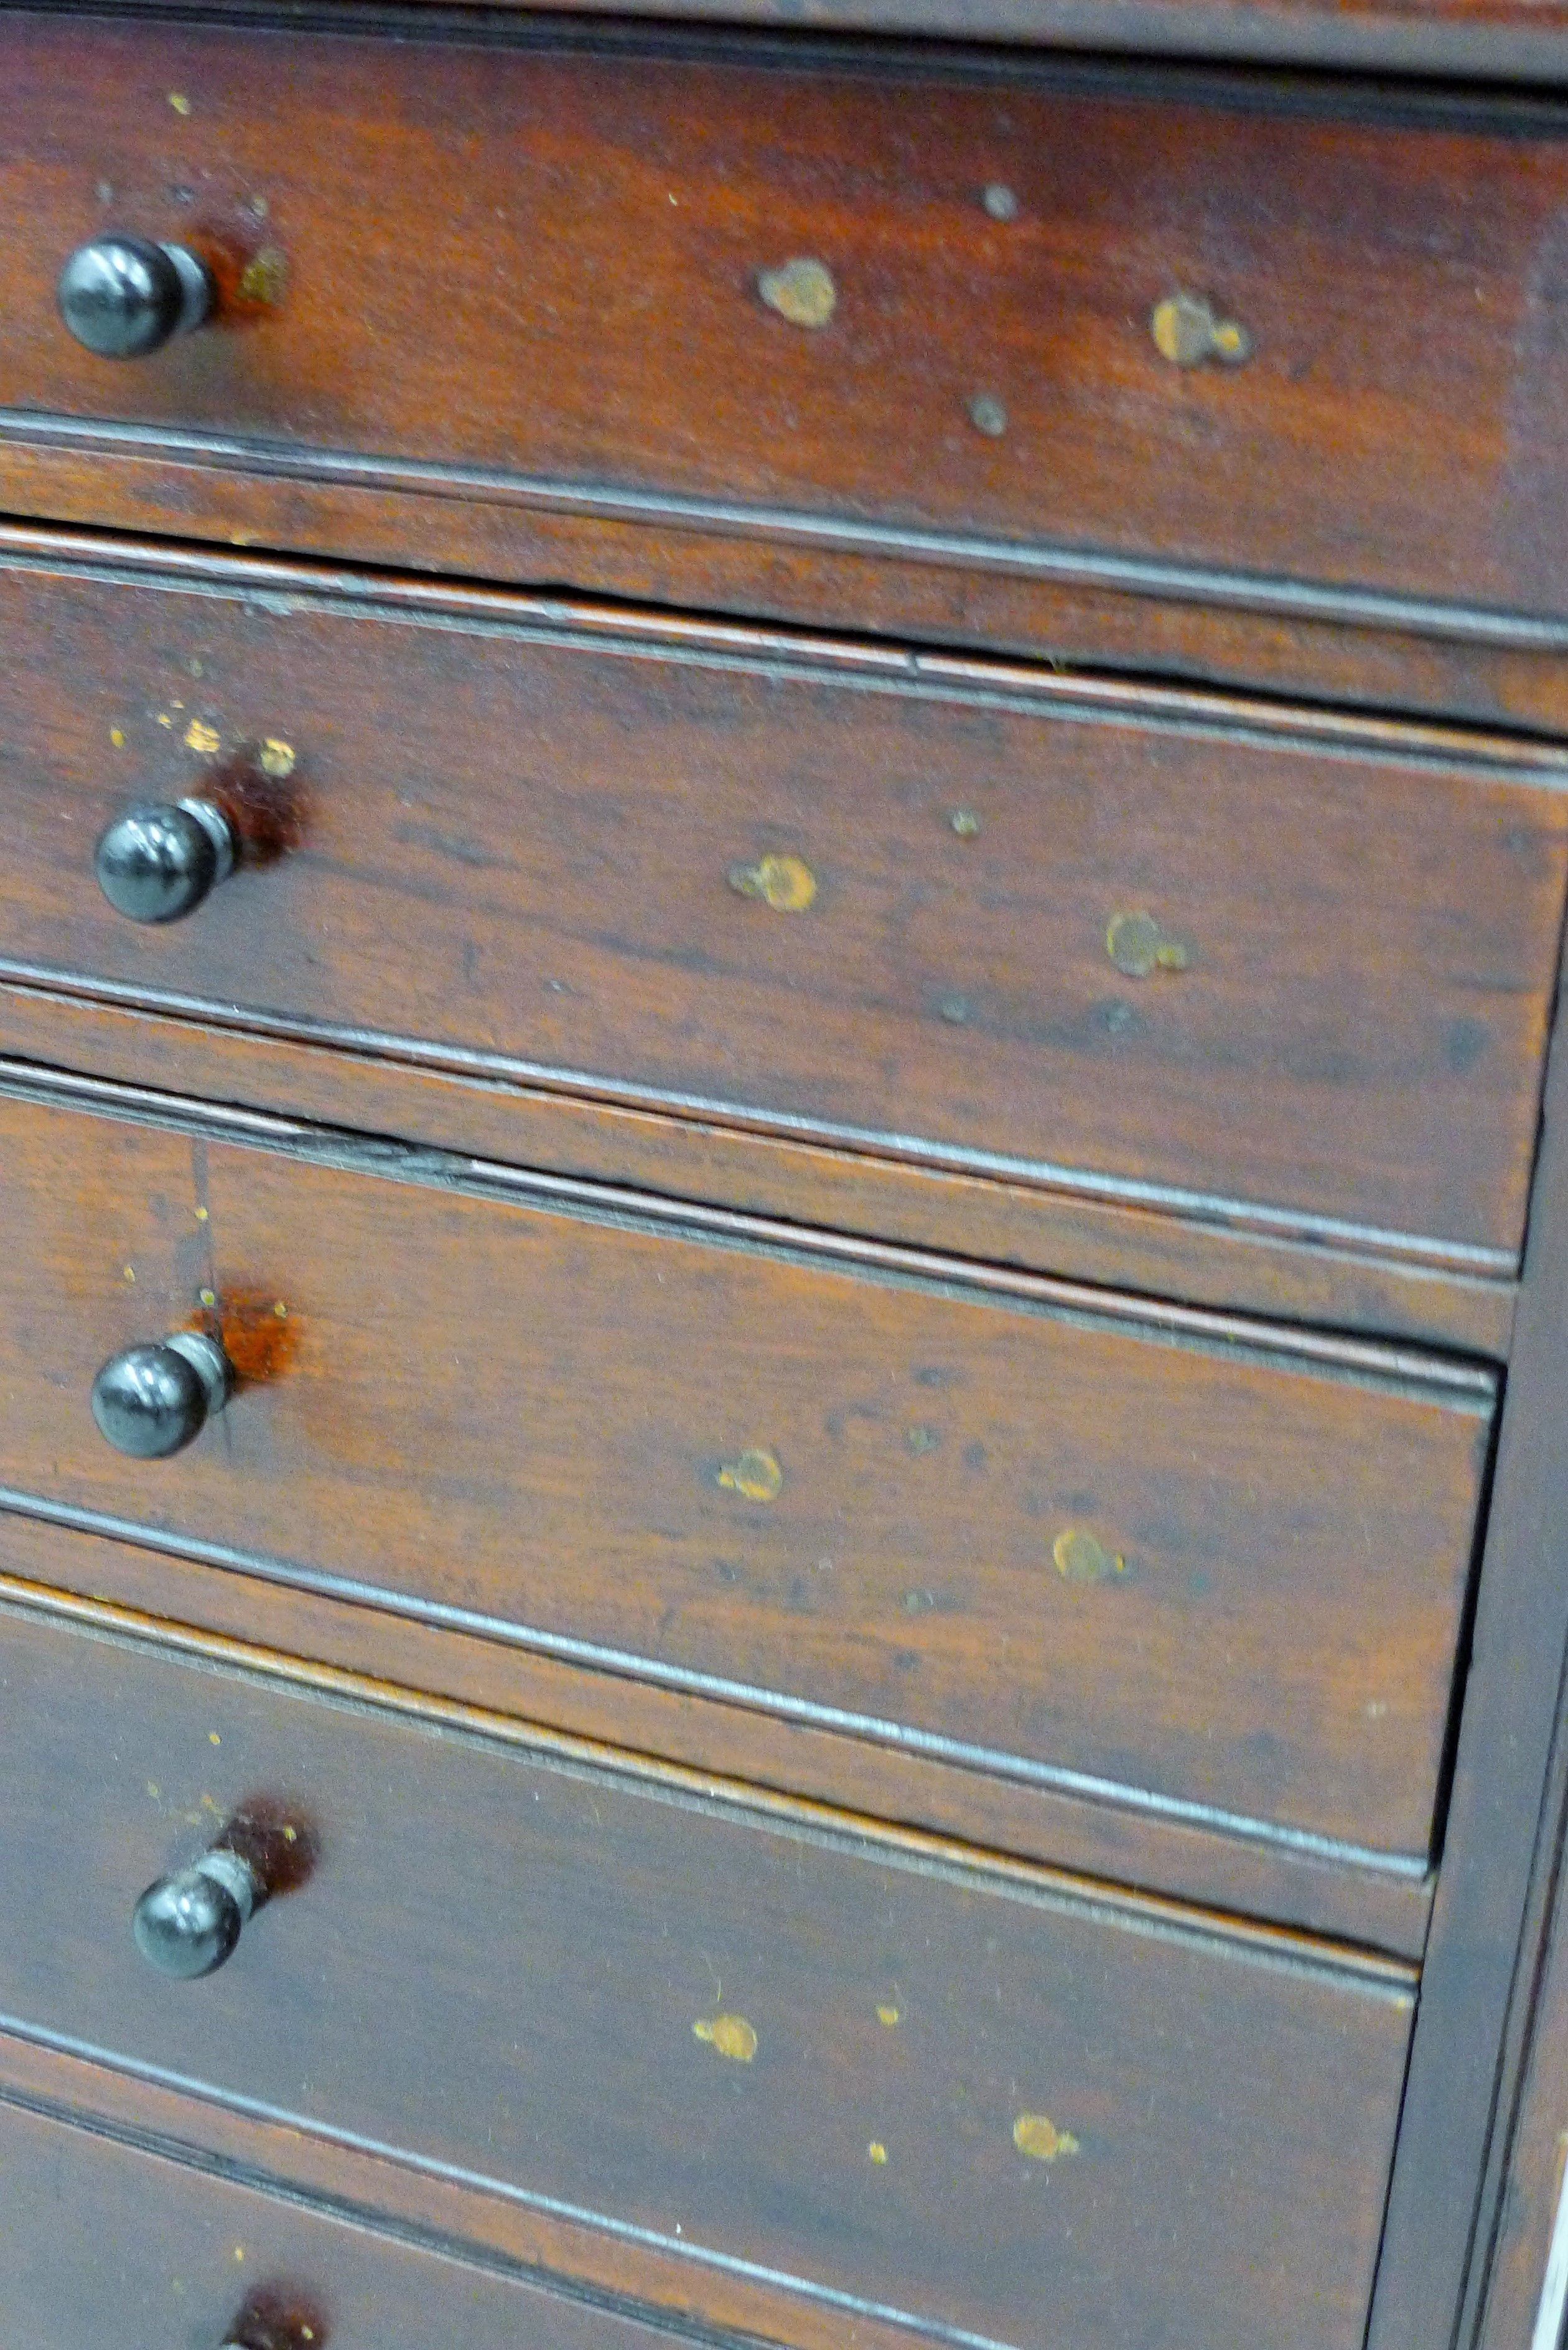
[
  {"x": 107, "y": 2242},
  {"x": 1002, "y": 2111},
  {"x": 768, "y": 293},
  {"x": 998, "y": 1529},
  {"x": 912, "y": 908}
]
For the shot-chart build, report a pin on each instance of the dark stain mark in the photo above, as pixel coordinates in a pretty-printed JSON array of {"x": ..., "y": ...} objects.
[
  {"x": 975, "y": 1455},
  {"x": 259, "y": 789},
  {"x": 470, "y": 853},
  {"x": 277, "y": 1840},
  {"x": 256, "y": 1328},
  {"x": 278, "y": 2316}
]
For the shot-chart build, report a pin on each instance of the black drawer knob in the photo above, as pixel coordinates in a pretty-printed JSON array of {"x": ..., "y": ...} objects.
[
  {"x": 124, "y": 296},
  {"x": 156, "y": 862},
  {"x": 187, "y": 1925},
  {"x": 153, "y": 1400}
]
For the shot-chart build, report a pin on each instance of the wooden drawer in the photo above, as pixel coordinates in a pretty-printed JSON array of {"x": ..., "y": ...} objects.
[
  {"x": 107, "y": 2242},
  {"x": 1017, "y": 1527},
  {"x": 767, "y": 2046},
  {"x": 539, "y": 268},
  {"x": 1171, "y": 953}
]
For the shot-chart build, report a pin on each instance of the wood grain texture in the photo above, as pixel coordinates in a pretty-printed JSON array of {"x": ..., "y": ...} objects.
[
  {"x": 1507, "y": 41},
  {"x": 1509, "y": 1797},
  {"x": 106, "y": 2241},
  {"x": 1013, "y": 1535},
  {"x": 1498, "y": 40},
  {"x": 551, "y": 1702},
  {"x": 428, "y": 2206},
  {"x": 1515, "y": 676},
  {"x": 814, "y": 1190},
  {"x": 556, "y": 294},
  {"x": 498, "y": 1966},
  {"x": 534, "y": 847},
  {"x": 1537, "y": 2154}
]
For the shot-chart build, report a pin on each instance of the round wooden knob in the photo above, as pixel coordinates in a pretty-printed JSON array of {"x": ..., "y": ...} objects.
[
  {"x": 124, "y": 296},
  {"x": 157, "y": 862},
  {"x": 153, "y": 1400},
  {"x": 187, "y": 1925}
]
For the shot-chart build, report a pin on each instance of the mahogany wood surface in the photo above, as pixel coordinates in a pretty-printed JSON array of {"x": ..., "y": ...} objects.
[
  {"x": 555, "y": 296},
  {"x": 1509, "y": 673},
  {"x": 548, "y": 1701},
  {"x": 882, "y": 900},
  {"x": 107, "y": 2241},
  {"x": 1496, "y": 40},
  {"x": 811, "y": 1190},
  {"x": 675, "y": 2016},
  {"x": 1123, "y": 1550},
  {"x": 1504, "y": 1822}
]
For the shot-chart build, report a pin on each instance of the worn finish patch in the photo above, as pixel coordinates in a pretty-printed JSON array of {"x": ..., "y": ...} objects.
[
  {"x": 1081, "y": 1558},
  {"x": 755, "y": 1474},
  {"x": 800, "y": 290},
  {"x": 1140, "y": 945},
  {"x": 1187, "y": 330},
  {"x": 787, "y": 884},
  {"x": 730, "y": 2035},
  {"x": 1037, "y": 2136}
]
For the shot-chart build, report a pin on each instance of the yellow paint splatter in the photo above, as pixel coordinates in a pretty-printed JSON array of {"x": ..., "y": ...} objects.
[
  {"x": 130, "y": 1273},
  {"x": 164, "y": 718},
  {"x": 239, "y": 2251},
  {"x": 731, "y": 2035},
  {"x": 281, "y": 1310},
  {"x": 200, "y": 736},
  {"x": 201, "y": 1215},
  {"x": 265, "y": 277},
  {"x": 277, "y": 758},
  {"x": 1138, "y": 945},
  {"x": 787, "y": 884},
  {"x": 181, "y": 105},
  {"x": 888, "y": 2015},
  {"x": 213, "y": 1738},
  {"x": 207, "y": 1296},
  {"x": 116, "y": 736},
  {"x": 153, "y": 1789},
  {"x": 1035, "y": 2136},
  {"x": 756, "y": 1475},
  {"x": 1080, "y": 1558},
  {"x": 877, "y": 2152}
]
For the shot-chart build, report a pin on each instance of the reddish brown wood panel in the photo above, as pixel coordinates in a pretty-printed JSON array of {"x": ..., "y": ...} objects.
[
  {"x": 1512, "y": 676},
  {"x": 975, "y": 1525},
  {"x": 919, "y": 908},
  {"x": 669, "y": 1159},
  {"x": 104, "y": 2241},
  {"x": 974, "y": 2096},
  {"x": 558, "y": 292},
  {"x": 91, "y": 1578}
]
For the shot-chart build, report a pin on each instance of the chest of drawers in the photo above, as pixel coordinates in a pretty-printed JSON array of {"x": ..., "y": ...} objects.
[{"x": 783, "y": 1228}]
